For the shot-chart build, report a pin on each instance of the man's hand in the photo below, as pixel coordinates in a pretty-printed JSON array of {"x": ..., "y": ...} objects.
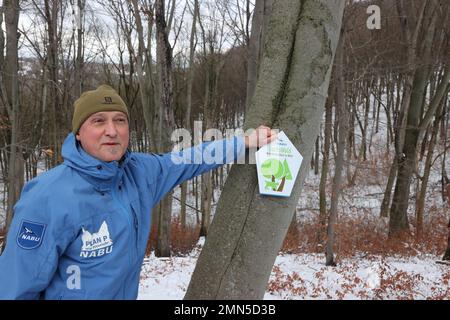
[{"x": 260, "y": 137}]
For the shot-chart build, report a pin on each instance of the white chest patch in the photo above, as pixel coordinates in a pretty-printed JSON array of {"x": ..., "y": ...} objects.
[{"x": 96, "y": 244}]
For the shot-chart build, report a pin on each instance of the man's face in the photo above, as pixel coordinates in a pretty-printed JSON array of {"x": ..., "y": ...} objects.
[{"x": 104, "y": 135}]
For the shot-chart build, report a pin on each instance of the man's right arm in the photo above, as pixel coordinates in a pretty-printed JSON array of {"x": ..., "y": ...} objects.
[{"x": 31, "y": 255}]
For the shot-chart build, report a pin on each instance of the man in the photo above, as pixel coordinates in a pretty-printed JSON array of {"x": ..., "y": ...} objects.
[{"x": 80, "y": 230}]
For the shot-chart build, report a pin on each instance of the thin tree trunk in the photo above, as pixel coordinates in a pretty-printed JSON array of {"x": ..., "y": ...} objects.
[
  {"x": 206, "y": 204},
  {"x": 51, "y": 16},
  {"x": 316, "y": 158},
  {"x": 10, "y": 95},
  {"x": 420, "y": 204},
  {"x": 325, "y": 164},
  {"x": 164, "y": 57},
  {"x": 447, "y": 251},
  {"x": 187, "y": 119},
  {"x": 339, "y": 162},
  {"x": 144, "y": 71},
  {"x": 79, "y": 77}
]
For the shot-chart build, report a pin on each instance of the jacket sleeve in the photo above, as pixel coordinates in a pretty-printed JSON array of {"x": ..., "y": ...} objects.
[
  {"x": 172, "y": 169},
  {"x": 34, "y": 244}
]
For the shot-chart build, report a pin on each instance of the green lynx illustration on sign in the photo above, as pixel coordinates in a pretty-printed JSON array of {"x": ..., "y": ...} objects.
[{"x": 277, "y": 165}]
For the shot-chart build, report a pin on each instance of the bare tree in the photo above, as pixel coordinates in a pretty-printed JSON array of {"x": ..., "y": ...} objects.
[
  {"x": 417, "y": 122},
  {"x": 79, "y": 57},
  {"x": 144, "y": 68},
  {"x": 341, "y": 110},
  {"x": 190, "y": 81},
  {"x": 9, "y": 92},
  {"x": 410, "y": 41},
  {"x": 164, "y": 71},
  {"x": 325, "y": 166}
]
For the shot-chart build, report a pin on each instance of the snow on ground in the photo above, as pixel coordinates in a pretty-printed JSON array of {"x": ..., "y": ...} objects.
[{"x": 305, "y": 277}]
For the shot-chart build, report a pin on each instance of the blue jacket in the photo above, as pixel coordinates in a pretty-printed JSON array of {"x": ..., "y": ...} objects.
[{"x": 80, "y": 230}]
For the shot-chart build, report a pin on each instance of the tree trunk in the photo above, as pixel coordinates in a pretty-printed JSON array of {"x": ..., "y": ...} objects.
[
  {"x": 206, "y": 204},
  {"x": 51, "y": 16},
  {"x": 398, "y": 219},
  {"x": 187, "y": 118},
  {"x": 145, "y": 72},
  {"x": 339, "y": 162},
  {"x": 316, "y": 158},
  {"x": 164, "y": 59},
  {"x": 10, "y": 96},
  {"x": 2, "y": 44},
  {"x": 261, "y": 13},
  {"x": 447, "y": 251},
  {"x": 248, "y": 229},
  {"x": 79, "y": 77},
  {"x": 443, "y": 137},
  {"x": 324, "y": 173},
  {"x": 162, "y": 248},
  {"x": 213, "y": 68},
  {"x": 420, "y": 204},
  {"x": 416, "y": 123},
  {"x": 385, "y": 204}
]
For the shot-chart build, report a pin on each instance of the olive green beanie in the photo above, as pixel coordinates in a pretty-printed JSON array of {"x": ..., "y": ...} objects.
[{"x": 104, "y": 98}]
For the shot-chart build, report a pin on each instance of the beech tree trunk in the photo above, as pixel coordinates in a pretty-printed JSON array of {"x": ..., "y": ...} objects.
[{"x": 248, "y": 229}]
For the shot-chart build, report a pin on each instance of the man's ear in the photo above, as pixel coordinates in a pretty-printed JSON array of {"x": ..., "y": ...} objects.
[{"x": 77, "y": 136}]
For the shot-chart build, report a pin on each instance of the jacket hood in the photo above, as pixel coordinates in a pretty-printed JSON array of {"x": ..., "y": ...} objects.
[{"x": 99, "y": 173}]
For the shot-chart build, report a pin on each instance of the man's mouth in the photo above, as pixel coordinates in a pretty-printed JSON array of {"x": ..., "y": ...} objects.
[{"x": 111, "y": 143}]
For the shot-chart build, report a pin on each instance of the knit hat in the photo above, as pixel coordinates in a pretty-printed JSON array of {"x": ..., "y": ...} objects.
[{"x": 104, "y": 98}]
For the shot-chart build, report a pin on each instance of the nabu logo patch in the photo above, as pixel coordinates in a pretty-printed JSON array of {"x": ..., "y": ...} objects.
[
  {"x": 30, "y": 234},
  {"x": 96, "y": 244}
]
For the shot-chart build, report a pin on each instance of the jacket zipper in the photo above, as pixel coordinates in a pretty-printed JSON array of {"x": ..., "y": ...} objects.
[{"x": 131, "y": 225}]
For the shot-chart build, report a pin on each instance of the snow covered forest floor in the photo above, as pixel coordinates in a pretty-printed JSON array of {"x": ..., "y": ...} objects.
[
  {"x": 305, "y": 276},
  {"x": 367, "y": 268}
]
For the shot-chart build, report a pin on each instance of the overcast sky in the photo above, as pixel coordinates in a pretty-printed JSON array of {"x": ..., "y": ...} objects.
[{"x": 98, "y": 18}]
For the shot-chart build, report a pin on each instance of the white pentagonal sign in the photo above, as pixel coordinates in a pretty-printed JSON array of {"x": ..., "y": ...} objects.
[{"x": 277, "y": 165}]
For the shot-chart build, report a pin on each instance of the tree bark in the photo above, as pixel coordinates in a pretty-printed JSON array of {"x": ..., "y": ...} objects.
[
  {"x": 324, "y": 172},
  {"x": 420, "y": 204},
  {"x": 145, "y": 71},
  {"x": 10, "y": 95},
  {"x": 447, "y": 251},
  {"x": 316, "y": 157},
  {"x": 2, "y": 44},
  {"x": 187, "y": 118},
  {"x": 79, "y": 77},
  {"x": 51, "y": 18},
  {"x": 260, "y": 16},
  {"x": 341, "y": 107},
  {"x": 164, "y": 58},
  {"x": 248, "y": 229}
]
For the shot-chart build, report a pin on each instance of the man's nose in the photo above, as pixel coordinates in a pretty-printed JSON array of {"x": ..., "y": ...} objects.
[{"x": 111, "y": 129}]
